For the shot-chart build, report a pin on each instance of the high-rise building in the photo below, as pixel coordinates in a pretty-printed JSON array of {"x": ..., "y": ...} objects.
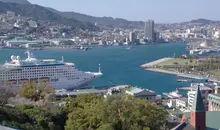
[
  {"x": 149, "y": 30},
  {"x": 132, "y": 37}
]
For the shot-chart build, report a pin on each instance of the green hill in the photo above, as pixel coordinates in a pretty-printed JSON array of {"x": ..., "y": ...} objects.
[{"x": 41, "y": 13}]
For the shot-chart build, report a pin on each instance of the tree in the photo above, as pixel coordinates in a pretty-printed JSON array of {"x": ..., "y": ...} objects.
[
  {"x": 32, "y": 118},
  {"x": 29, "y": 91},
  {"x": 5, "y": 95},
  {"x": 37, "y": 92},
  {"x": 175, "y": 63},
  {"x": 116, "y": 113}
]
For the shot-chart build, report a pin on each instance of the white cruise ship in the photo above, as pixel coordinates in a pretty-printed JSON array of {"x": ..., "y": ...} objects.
[{"x": 58, "y": 74}]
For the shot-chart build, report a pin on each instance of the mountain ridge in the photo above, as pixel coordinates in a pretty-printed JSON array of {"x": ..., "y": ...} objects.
[
  {"x": 82, "y": 19},
  {"x": 16, "y": 1},
  {"x": 101, "y": 21},
  {"x": 38, "y": 12}
]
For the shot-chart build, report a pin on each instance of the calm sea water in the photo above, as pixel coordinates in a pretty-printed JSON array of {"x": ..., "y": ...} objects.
[{"x": 119, "y": 66}]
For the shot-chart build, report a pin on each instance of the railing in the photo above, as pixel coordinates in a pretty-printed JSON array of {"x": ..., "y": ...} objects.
[{"x": 9, "y": 68}]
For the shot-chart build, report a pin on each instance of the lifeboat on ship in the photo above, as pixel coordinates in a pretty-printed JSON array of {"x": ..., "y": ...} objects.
[
  {"x": 12, "y": 81},
  {"x": 45, "y": 79},
  {"x": 34, "y": 80},
  {"x": 24, "y": 81}
]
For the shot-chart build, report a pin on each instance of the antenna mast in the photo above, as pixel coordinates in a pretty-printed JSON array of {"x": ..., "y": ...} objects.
[
  {"x": 62, "y": 59},
  {"x": 99, "y": 68}
]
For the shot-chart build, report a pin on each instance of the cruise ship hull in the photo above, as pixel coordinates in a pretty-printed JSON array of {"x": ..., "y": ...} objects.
[{"x": 57, "y": 74}]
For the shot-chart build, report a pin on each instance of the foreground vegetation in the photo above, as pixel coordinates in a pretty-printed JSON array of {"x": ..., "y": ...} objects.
[
  {"x": 114, "y": 113},
  {"x": 32, "y": 118},
  {"x": 86, "y": 112}
]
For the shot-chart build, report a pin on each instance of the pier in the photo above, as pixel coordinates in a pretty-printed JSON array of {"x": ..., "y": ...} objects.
[
  {"x": 194, "y": 88},
  {"x": 96, "y": 90},
  {"x": 190, "y": 76},
  {"x": 64, "y": 94}
]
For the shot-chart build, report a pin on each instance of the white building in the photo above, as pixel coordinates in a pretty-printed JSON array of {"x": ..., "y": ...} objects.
[
  {"x": 34, "y": 46},
  {"x": 182, "y": 103},
  {"x": 21, "y": 43},
  {"x": 216, "y": 34},
  {"x": 171, "y": 103},
  {"x": 205, "y": 91},
  {"x": 214, "y": 100}
]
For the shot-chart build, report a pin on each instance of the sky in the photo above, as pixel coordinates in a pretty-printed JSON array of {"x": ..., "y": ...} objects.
[{"x": 162, "y": 11}]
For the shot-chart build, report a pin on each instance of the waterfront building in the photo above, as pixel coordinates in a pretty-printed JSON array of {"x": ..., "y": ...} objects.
[
  {"x": 205, "y": 91},
  {"x": 149, "y": 30},
  {"x": 21, "y": 43},
  {"x": 141, "y": 41},
  {"x": 198, "y": 118},
  {"x": 142, "y": 93},
  {"x": 156, "y": 36},
  {"x": 102, "y": 42},
  {"x": 132, "y": 37},
  {"x": 214, "y": 100},
  {"x": 33, "y": 46}
]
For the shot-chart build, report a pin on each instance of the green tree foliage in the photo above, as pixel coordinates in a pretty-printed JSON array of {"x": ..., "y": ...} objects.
[
  {"x": 32, "y": 118},
  {"x": 36, "y": 92},
  {"x": 29, "y": 91},
  {"x": 5, "y": 95},
  {"x": 114, "y": 113}
]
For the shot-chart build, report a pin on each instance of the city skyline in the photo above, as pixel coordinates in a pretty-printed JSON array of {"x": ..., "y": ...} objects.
[{"x": 170, "y": 11}]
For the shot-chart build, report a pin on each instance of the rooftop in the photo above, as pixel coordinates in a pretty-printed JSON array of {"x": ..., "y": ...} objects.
[
  {"x": 185, "y": 99},
  {"x": 201, "y": 88},
  {"x": 140, "y": 91},
  {"x": 84, "y": 91},
  {"x": 135, "y": 90}
]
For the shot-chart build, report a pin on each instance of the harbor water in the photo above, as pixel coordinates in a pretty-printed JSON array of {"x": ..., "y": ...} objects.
[{"x": 118, "y": 64}]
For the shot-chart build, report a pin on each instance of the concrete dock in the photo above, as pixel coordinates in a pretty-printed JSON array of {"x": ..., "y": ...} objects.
[{"x": 64, "y": 93}]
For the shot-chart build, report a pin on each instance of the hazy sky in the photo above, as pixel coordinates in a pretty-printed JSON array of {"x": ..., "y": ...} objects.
[{"x": 162, "y": 11}]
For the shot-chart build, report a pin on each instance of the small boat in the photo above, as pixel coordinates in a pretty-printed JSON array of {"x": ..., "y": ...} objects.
[
  {"x": 182, "y": 80},
  {"x": 128, "y": 48}
]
